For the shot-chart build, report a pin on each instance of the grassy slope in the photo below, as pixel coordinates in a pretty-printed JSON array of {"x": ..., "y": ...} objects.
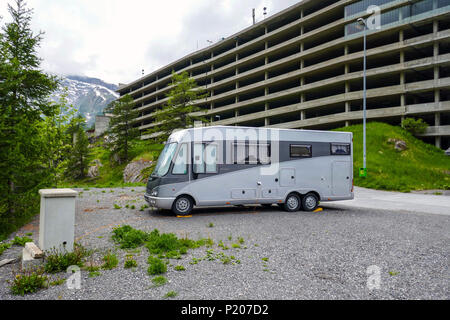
[
  {"x": 111, "y": 174},
  {"x": 420, "y": 167}
]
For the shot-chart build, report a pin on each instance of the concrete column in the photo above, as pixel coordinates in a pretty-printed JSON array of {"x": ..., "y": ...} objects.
[{"x": 437, "y": 123}]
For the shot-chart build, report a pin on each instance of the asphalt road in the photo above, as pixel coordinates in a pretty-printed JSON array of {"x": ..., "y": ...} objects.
[{"x": 339, "y": 253}]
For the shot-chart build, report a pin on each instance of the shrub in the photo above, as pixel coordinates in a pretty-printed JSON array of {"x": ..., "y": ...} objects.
[
  {"x": 110, "y": 261},
  {"x": 414, "y": 126},
  {"x": 29, "y": 281},
  {"x": 58, "y": 261},
  {"x": 161, "y": 243},
  {"x": 156, "y": 266},
  {"x": 129, "y": 238}
]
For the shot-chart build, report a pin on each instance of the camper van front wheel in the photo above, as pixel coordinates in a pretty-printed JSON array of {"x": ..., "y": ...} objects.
[
  {"x": 182, "y": 206},
  {"x": 310, "y": 202},
  {"x": 293, "y": 203}
]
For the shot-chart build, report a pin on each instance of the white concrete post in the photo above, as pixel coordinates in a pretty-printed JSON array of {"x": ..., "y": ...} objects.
[{"x": 57, "y": 219}]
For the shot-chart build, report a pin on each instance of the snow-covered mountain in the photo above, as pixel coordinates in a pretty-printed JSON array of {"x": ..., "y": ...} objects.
[{"x": 89, "y": 95}]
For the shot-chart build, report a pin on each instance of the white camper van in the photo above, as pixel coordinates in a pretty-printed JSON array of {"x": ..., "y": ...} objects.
[{"x": 226, "y": 166}]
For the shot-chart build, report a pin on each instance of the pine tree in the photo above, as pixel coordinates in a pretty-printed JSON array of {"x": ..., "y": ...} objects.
[
  {"x": 121, "y": 129},
  {"x": 179, "y": 113},
  {"x": 79, "y": 158},
  {"x": 24, "y": 91}
]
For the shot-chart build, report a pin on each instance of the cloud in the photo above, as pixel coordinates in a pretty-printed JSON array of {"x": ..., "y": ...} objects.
[{"x": 114, "y": 39}]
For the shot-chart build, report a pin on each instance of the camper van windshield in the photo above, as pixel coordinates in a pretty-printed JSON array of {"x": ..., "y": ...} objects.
[{"x": 164, "y": 160}]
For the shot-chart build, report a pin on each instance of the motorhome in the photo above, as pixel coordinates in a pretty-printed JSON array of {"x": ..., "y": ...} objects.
[{"x": 229, "y": 166}]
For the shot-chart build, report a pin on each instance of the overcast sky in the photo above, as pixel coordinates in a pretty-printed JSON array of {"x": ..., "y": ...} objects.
[{"x": 115, "y": 39}]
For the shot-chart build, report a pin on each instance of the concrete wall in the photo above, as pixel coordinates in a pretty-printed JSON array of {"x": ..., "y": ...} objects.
[{"x": 101, "y": 125}]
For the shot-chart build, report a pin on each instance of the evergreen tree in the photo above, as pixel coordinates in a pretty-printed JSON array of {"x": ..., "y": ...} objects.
[
  {"x": 79, "y": 158},
  {"x": 58, "y": 138},
  {"x": 24, "y": 91},
  {"x": 180, "y": 112},
  {"x": 121, "y": 129}
]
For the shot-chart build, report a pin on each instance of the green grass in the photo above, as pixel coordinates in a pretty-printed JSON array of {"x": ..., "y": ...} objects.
[
  {"x": 110, "y": 261},
  {"x": 57, "y": 261},
  {"x": 159, "y": 281},
  {"x": 21, "y": 241},
  {"x": 29, "y": 281},
  {"x": 420, "y": 167},
  {"x": 171, "y": 294}
]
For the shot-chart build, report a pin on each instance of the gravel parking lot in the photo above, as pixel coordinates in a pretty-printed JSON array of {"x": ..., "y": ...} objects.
[{"x": 322, "y": 255}]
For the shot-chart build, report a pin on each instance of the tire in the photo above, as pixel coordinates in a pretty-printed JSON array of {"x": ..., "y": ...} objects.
[
  {"x": 183, "y": 206},
  {"x": 293, "y": 203},
  {"x": 310, "y": 202}
]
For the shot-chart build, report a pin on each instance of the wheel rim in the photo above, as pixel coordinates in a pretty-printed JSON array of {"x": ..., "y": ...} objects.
[
  {"x": 183, "y": 205},
  {"x": 292, "y": 203},
  {"x": 310, "y": 202}
]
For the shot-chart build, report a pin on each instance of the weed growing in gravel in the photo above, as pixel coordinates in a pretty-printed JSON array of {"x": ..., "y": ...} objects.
[
  {"x": 29, "y": 281},
  {"x": 130, "y": 263},
  {"x": 393, "y": 273},
  {"x": 117, "y": 207},
  {"x": 4, "y": 246},
  {"x": 171, "y": 294},
  {"x": 159, "y": 281},
  {"x": 58, "y": 282},
  {"x": 223, "y": 246},
  {"x": 143, "y": 207},
  {"x": 211, "y": 225},
  {"x": 58, "y": 261},
  {"x": 20, "y": 241},
  {"x": 180, "y": 268},
  {"x": 110, "y": 261},
  {"x": 156, "y": 266},
  {"x": 128, "y": 237},
  {"x": 94, "y": 274}
]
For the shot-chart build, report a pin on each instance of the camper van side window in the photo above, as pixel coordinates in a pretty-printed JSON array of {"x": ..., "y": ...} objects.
[
  {"x": 205, "y": 158},
  {"x": 180, "y": 164},
  {"x": 340, "y": 149},
  {"x": 250, "y": 153},
  {"x": 199, "y": 166},
  {"x": 301, "y": 151},
  {"x": 211, "y": 158}
]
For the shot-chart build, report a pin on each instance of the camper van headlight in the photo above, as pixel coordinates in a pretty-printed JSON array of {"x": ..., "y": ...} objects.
[{"x": 154, "y": 192}]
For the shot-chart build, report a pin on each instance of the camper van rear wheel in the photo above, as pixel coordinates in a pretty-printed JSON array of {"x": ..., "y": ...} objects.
[
  {"x": 183, "y": 206},
  {"x": 293, "y": 203},
  {"x": 310, "y": 202}
]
